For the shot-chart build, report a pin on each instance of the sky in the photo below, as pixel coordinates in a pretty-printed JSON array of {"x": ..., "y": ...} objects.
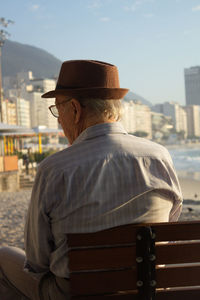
[{"x": 150, "y": 41}]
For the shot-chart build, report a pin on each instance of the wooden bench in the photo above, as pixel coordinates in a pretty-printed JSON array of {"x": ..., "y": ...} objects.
[{"x": 148, "y": 261}]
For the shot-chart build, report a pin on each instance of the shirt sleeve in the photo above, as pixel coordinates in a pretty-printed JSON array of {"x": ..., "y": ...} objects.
[{"x": 38, "y": 236}]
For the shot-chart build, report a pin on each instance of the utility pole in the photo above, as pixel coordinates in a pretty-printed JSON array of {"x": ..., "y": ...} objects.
[{"x": 3, "y": 35}]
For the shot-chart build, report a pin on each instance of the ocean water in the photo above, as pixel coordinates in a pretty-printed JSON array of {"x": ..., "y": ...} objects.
[{"x": 186, "y": 159}]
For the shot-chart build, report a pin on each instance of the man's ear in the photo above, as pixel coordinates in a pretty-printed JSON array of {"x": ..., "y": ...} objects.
[{"x": 77, "y": 110}]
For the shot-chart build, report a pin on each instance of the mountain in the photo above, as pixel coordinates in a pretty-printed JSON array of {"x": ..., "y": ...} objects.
[
  {"x": 17, "y": 57},
  {"x": 133, "y": 96}
]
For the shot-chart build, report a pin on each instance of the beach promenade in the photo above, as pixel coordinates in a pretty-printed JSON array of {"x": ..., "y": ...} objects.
[{"x": 13, "y": 209}]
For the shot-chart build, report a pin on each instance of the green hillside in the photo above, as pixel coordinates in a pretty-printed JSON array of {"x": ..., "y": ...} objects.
[{"x": 17, "y": 57}]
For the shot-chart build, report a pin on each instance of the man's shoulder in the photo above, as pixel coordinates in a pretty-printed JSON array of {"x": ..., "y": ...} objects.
[
  {"x": 143, "y": 147},
  {"x": 96, "y": 149},
  {"x": 52, "y": 161}
]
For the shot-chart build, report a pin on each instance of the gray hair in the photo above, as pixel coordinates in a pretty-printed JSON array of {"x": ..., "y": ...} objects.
[{"x": 106, "y": 108}]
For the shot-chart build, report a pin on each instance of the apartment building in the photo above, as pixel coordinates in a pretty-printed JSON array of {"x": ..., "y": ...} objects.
[
  {"x": 40, "y": 114},
  {"x": 193, "y": 120},
  {"x": 128, "y": 116},
  {"x": 176, "y": 112},
  {"x": 161, "y": 125},
  {"x": 192, "y": 85},
  {"x": 137, "y": 117},
  {"x": 23, "y": 112},
  {"x": 9, "y": 112}
]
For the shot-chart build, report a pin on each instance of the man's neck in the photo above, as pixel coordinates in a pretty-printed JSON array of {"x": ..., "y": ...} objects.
[{"x": 89, "y": 123}]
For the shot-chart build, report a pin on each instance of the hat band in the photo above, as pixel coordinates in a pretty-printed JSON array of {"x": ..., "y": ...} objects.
[{"x": 62, "y": 87}]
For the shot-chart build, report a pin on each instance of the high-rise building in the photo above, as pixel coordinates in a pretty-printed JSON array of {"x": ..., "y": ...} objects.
[
  {"x": 193, "y": 120},
  {"x": 23, "y": 112},
  {"x": 9, "y": 112},
  {"x": 161, "y": 125},
  {"x": 192, "y": 85},
  {"x": 40, "y": 114},
  {"x": 137, "y": 117},
  {"x": 176, "y": 112},
  {"x": 38, "y": 110},
  {"x": 27, "y": 87},
  {"x": 128, "y": 116}
]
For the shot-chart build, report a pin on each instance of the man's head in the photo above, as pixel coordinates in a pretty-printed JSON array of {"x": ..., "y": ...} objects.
[{"x": 87, "y": 93}]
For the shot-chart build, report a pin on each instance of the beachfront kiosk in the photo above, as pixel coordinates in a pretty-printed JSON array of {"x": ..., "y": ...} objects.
[{"x": 14, "y": 140}]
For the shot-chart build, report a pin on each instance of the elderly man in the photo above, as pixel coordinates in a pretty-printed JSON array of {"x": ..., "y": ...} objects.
[{"x": 104, "y": 179}]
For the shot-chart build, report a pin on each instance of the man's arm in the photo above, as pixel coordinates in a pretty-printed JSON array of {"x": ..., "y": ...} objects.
[{"x": 38, "y": 236}]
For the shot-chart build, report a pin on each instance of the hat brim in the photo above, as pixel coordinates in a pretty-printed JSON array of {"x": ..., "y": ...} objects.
[{"x": 101, "y": 93}]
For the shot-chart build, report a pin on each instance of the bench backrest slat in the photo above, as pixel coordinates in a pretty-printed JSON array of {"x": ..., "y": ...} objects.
[
  {"x": 103, "y": 258},
  {"x": 192, "y": 294},
  {"x": 161, "y": 295},
  {"x": 109, "y": 281},
  {"x": 124, "y": 280},
  {"x": 178, "y": 253},
  {"x": 127, "y": 234},
  {"x": 178, "y": 276},
  {"x": 108, "y": 297},
  {"x": 119, "y": 257},
  {"x": 105, "y": 262}
]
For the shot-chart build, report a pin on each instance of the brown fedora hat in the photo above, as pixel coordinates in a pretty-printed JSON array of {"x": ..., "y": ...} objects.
[{"x": 88, "y": 78}]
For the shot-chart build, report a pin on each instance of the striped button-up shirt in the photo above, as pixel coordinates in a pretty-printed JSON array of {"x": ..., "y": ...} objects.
[{"x": 93, "y": 185}]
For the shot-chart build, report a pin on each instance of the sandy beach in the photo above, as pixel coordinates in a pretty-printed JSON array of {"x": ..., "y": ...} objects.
[
  {"x": 13, "y": 209},
  {"x": 190, "y": 188}
]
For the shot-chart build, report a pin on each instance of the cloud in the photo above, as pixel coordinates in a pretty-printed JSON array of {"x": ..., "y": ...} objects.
[
  {"x": 104, "y": 19},
  {"x": 95, "y": 4},
  {"x": 129, "y": 8},
  {"x": 196, "y": 8},
  {"x": 34, "y": 7},
  {"x": 136, "y": 4}
]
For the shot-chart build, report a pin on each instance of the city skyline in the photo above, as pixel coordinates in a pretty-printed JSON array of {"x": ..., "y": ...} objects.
[
  {"x": 164, "y": 121},
  {"x": 151, "y": 41}
]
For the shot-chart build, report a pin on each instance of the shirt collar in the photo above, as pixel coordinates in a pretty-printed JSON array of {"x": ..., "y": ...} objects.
[{"x": 100, "y": 129}]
